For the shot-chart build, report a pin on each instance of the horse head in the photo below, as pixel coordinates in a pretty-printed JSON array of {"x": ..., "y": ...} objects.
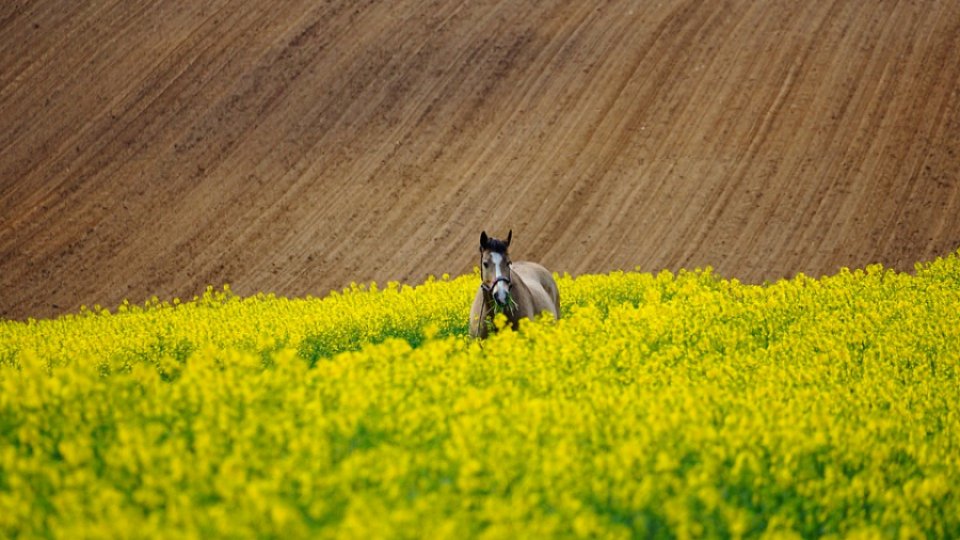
[{"x": 495, "y": 267}]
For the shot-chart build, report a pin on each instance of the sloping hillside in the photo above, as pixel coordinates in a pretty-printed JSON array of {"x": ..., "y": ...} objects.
[{"x": 156, "y": 147}]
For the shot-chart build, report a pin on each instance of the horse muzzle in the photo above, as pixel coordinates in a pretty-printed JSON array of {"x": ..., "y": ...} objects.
[
  {"x": 501, "y": 294},
  {"x": 500, "y": 290}
]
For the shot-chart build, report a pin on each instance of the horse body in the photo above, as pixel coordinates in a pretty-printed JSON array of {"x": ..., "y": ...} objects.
[{"x": 518, "y": 290}]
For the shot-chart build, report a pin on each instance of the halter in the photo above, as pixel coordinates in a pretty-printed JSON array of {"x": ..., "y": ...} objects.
[{"x": 489, "y": 290}]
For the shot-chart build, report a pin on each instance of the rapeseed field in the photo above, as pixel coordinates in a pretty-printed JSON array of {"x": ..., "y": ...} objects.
[{"x": 660, "y": 405}]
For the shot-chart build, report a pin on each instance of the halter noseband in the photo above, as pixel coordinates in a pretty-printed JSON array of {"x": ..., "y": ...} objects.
[{"x": 489, "y": 288}]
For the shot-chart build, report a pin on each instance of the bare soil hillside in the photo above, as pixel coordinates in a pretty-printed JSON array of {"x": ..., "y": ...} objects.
[{"x": 152, "y": 148}]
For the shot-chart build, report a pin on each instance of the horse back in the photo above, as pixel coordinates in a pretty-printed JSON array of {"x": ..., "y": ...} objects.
[{"x": 540, "y": 285}]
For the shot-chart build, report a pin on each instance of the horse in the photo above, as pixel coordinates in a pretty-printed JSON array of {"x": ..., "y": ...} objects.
[{"x": 519, "y": 290}]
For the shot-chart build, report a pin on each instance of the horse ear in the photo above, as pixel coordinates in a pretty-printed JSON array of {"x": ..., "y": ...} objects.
[
  {"x": 483, "y": 240},
  {"x": 509, "y": 236}
]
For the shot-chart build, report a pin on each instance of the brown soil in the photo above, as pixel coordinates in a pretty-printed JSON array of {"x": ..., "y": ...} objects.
[{"x": 152, "y": 148}]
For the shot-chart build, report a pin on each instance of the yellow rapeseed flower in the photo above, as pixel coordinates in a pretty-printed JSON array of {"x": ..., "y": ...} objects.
[{"x": 659, "y": 405}]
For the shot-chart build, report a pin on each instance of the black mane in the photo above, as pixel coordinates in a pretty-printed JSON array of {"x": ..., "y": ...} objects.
[{"x": 496, "y": 246}]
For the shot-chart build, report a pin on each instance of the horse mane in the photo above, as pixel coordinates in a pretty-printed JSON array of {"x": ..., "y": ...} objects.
[{"x": 496, "y": 246}]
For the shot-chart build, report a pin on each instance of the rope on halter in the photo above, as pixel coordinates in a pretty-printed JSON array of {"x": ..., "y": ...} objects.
[
  {"x": 483, "y": 297},
  {"x": 481, "y": 316}
]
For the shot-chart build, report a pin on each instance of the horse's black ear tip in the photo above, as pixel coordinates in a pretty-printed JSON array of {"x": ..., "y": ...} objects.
[
  {"x": 509, "y": 236},
  {"x": 483, "y": 239}
]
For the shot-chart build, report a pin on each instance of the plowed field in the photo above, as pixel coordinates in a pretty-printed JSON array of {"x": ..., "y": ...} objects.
[{"x": 152, "y": 148}]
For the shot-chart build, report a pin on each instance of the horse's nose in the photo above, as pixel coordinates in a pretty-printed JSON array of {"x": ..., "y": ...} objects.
[{"x": 500, "y": 293}]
